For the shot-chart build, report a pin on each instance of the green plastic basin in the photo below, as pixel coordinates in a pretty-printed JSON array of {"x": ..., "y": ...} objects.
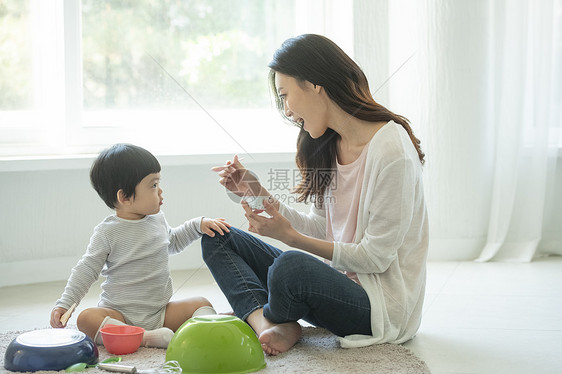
[{"x": 216, "y": 344}]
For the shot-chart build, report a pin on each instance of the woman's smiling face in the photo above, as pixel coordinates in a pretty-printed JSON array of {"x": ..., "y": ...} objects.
[{"x": 302, "y": 103}]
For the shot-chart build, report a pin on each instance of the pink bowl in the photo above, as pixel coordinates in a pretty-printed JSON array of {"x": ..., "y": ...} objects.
[{"x": 121, "y": 340}]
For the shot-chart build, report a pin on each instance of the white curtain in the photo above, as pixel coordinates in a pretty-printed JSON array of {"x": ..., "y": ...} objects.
[
  {"x": 527, "y": 106},
  {"x": 484, "y": 93}
]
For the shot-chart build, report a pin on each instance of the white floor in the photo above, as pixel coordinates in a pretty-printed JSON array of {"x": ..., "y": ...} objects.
[{"x": 478, "y": 318}]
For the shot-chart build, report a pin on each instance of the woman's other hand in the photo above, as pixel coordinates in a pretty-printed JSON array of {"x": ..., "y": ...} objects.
[
  {"x": 210, "y": 226},
  {"x": 236, "y": 178},
  {"x": 276, "y": 226}
]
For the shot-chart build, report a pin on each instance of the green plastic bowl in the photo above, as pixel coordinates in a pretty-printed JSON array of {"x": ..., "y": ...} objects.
[{"x": 216, "y": 344}]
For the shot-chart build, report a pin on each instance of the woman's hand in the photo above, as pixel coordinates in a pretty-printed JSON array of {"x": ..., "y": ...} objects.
[
  {"x": 276, "y": 226},
  {"x": 279, "y": 227},
  {"x": 236, "y": 178},
  {"x": 209, "y": 226},
  {"x": 56, "y": 314}
]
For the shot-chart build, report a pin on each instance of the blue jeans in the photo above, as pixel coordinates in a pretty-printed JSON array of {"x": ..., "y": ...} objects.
[{"x": 289, "y": 285}]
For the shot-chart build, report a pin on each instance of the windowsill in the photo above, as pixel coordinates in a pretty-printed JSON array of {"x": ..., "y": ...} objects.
[
  {"x": 181, "y": 137},
  {"x": 77, "y": 162}
]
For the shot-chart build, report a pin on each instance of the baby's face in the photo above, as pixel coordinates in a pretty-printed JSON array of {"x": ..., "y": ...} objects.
[{"x": 148, "y": 196}]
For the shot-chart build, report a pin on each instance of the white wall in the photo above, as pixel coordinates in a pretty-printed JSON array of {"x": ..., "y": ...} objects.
[{"x": 48, "y": 212}]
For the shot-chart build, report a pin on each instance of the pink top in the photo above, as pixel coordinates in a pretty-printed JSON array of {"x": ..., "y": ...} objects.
[{"x": 342, "y": 206}]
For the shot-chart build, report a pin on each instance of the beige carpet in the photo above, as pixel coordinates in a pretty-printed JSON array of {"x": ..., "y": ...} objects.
[{"x": 316, "y": 352}]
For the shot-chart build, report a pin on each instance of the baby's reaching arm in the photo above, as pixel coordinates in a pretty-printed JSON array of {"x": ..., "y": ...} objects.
[
  {"x": 209, "y": 226},
  {"x": 189, "y": 231}
]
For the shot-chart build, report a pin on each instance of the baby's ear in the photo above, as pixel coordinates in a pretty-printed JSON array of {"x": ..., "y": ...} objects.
[{"x": 122, "y": 199}]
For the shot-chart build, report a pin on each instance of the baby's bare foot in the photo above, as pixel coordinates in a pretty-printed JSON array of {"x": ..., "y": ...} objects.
[{"x": 280, "y": 338}]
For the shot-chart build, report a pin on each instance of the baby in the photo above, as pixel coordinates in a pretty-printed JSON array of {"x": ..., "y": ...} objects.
[{"x": 131, "y": 248}]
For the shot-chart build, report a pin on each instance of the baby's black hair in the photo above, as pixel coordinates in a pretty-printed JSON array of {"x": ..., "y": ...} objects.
[{"x": 121, "y": 166}]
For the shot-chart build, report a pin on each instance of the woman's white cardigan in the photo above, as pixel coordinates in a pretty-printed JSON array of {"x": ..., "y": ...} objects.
[{"x": 391, "y": 239}]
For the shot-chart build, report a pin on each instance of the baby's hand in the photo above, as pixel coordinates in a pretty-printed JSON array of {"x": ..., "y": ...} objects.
[
  {"x": 209, "y": 226},
  {"x": 55, "y": 317}
]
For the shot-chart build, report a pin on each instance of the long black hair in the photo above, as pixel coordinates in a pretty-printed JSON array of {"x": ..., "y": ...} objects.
[{"x": 318, "y": 60}]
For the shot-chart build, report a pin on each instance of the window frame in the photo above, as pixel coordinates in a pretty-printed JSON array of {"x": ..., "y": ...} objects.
[{"x": 58, "y": 123}]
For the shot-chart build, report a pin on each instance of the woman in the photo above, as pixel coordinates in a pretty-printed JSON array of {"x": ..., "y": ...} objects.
[{"x": 368, "y": 217}]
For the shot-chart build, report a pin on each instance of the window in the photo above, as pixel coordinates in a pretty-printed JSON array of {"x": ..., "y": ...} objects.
[
  {"x": 20, "y": 78},
  {"x": 178, "y": 77},
  {"x": 16, "y": 75}
]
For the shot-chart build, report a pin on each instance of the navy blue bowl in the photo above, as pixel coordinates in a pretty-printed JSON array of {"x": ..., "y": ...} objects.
[{"x": 50, "y": 349}]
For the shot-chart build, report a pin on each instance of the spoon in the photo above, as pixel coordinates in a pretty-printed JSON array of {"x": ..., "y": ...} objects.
[{"x": 81, "y": 366}]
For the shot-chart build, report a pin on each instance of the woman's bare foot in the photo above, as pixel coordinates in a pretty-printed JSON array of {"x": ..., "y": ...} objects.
[
  {"x": 280, "y": 338},
  {"x": 274, "y": 338}
]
